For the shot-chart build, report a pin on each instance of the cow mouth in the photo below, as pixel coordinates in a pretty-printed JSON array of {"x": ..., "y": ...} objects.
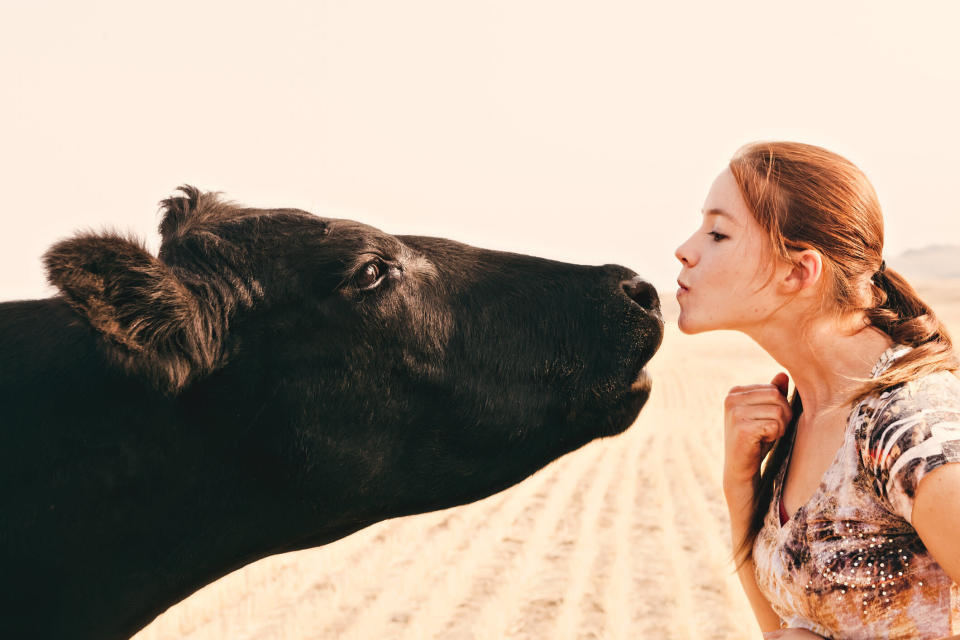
[
  {"x": 619, "y": 410},
  {"x": 624, "y": 410},
  {"x": 642, "y": 382}
]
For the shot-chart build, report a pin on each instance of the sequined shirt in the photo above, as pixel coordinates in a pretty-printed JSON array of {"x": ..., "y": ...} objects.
[{"x": 848, "y": 564}]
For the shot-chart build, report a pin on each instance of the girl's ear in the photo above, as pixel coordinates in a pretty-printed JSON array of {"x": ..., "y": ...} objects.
[{"x": 806, "y": 271}]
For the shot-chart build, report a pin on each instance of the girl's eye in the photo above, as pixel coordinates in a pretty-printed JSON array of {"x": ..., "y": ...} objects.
[
  {"x": 717, "y": 236},
  {"x": 369, "y": 276}
]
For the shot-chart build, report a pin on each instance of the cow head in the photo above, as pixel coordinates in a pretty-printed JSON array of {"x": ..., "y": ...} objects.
[{"x": 370, "y": 374}]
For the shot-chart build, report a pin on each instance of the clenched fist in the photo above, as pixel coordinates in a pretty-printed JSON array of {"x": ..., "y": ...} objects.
[{"x": 754, "y": 417}]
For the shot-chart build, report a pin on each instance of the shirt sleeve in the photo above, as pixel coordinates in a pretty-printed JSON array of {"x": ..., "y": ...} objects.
[{"x": 917, "y": 431}]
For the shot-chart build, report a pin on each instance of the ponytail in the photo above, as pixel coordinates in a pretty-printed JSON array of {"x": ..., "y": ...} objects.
[{"x": 899, "y": 312}]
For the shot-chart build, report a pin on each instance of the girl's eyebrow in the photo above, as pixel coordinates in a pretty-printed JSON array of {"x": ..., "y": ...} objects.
[{"x": 721, "y": 212}]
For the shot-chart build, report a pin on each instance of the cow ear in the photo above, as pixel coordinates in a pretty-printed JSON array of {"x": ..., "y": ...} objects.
[
  {"x": 154, "y": 324},
  {"x": 193, "y": 210}
]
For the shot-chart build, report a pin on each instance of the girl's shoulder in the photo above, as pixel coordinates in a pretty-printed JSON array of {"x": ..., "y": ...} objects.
[
  {"x": 930, "y": 392},
  {"x": 917, "y": 400},
  {"x": 908, "y": 431}
]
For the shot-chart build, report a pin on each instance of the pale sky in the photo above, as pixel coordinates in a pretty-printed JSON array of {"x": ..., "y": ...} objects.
[{"x": 584, "y": 131}]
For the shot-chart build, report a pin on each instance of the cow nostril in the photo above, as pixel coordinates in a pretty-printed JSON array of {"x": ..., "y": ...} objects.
[{"x": 642, "y": 292}]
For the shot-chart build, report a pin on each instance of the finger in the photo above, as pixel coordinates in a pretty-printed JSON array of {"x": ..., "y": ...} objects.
[
  {"x": 756, "y": 433},
  {"x": 752, "y": 412},
  {"x": 749, "y": 387},
  {"x": 767, "y": 394},
  {"x": 780, "y": 412},
  {"x": 782, "y": 382},
  {"x": 774, "y": 430},
  {"x": 767, "y": 431},
  {"x": 761, "y": 412}
]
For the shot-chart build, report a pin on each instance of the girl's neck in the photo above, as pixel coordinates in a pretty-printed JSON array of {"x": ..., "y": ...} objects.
[{"x": 827, "y": 358}]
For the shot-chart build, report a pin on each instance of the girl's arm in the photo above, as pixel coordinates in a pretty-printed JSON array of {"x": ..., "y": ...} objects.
[
  {"x": 936, "y": 516},
  {"x": 740, "y": 504},
  {"x": 935, "y": 509},
  {"x": 754, "y": 417}
]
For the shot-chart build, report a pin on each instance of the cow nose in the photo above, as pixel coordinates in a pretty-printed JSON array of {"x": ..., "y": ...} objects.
[{"x": 642, "y": 292}]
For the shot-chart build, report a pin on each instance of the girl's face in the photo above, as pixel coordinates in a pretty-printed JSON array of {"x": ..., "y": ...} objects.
[{"x": 725, "y": 282}]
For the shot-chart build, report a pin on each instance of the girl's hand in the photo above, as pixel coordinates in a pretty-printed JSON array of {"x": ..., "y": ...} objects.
[
  {"x": 791, "y": 634},
  {"x": 754, "y": 417}
]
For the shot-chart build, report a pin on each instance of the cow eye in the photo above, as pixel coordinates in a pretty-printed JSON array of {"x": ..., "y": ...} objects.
[{"x": 370, "y": 275}]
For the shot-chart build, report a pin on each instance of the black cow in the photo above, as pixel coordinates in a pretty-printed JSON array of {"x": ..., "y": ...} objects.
[{"x": 274, "y": 381}]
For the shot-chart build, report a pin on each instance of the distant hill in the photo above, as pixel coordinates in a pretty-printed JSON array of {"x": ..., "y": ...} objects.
[{"x": 929, "y": 263}]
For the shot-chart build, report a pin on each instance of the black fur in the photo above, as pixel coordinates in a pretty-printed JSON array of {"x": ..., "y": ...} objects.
[{"x": 168, "y": 419}]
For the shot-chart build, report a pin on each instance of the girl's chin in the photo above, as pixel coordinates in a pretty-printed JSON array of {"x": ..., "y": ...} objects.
[{"x": 688, "y": 326}]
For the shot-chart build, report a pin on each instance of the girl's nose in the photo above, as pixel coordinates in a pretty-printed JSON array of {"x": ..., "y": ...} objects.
[{"x": 684, "y": 255}]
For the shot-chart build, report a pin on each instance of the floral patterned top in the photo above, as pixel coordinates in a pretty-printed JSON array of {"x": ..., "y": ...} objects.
[{"x": 848, "y": 564}]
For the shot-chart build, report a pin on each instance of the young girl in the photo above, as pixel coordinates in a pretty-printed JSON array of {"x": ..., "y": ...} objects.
[{"x": 851, "y": 529}]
